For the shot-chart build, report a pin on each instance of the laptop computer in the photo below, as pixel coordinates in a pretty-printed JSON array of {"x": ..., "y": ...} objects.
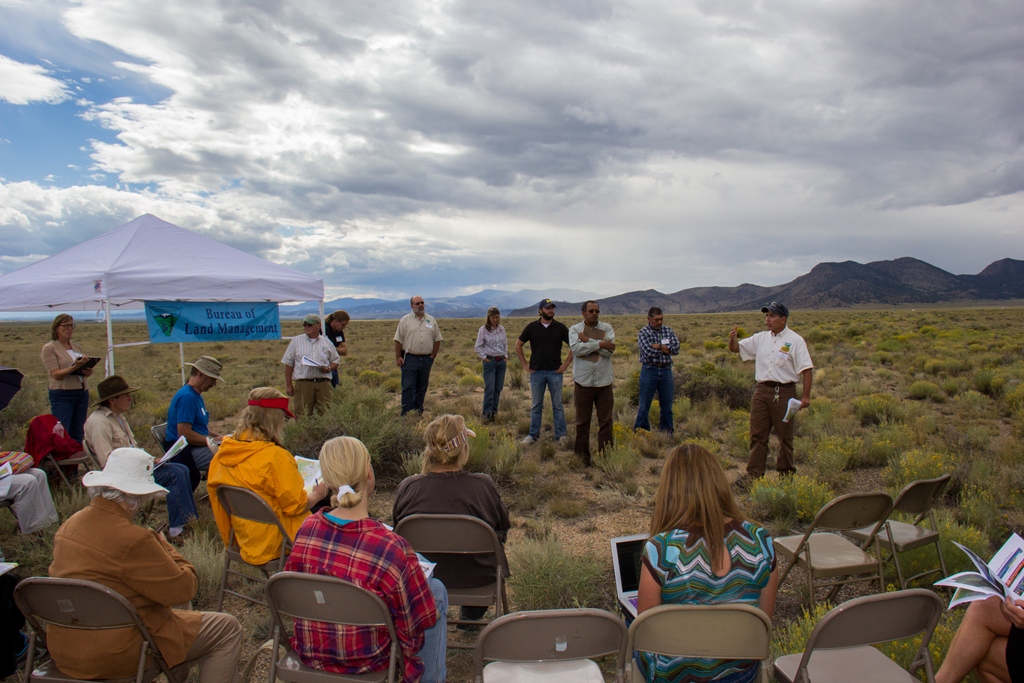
[{"x": 627, "y": 552}]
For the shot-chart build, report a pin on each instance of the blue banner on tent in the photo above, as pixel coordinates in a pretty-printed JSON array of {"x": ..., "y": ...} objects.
[{"x": 194, "y": 321}]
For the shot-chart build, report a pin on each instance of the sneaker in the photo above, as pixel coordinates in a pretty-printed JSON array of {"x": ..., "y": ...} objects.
[
  {"x": 566, "y": 442},
  {"x": 528, "y": 440}
]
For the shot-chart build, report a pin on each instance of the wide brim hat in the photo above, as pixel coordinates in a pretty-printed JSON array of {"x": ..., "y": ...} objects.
[
  {"x": 112, "y": 387},
  {"x": 209, "y": 366},
  {"x": 129, "y": 470}
]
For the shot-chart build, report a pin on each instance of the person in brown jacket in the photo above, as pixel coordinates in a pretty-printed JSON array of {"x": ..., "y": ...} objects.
[{"x": 100, "y": 543}]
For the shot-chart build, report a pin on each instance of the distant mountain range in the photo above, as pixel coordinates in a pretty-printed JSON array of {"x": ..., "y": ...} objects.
[
  {"x": 468, "y": 306},
  {"x": 830, "y": 285}
]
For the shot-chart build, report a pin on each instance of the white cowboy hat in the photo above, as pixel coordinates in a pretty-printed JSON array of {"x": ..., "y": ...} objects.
[{"x": 129, "y": 470}]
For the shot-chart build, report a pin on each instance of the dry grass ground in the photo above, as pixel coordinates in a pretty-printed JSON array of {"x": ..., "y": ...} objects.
[{"x": 899, "y": 395}]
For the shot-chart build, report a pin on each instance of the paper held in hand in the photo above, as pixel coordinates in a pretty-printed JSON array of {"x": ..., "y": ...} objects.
[
  {"x": 177, "y": 447},
  {"x": 1002, "y": 577},
  {"x": 306, "y": 360},
  {"x": 6, "y": 470},
  {"x": 792, "y": 406},
  {"x": 310, "y": 471}
]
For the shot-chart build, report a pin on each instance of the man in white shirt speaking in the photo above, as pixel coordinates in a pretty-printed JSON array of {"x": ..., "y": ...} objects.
[
  {"x": 780, "y": 358},
  {"x": 308, "y": 362}
]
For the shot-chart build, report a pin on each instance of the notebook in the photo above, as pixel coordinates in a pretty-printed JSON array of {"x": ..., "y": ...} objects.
[{"x": 627, "y": 552}]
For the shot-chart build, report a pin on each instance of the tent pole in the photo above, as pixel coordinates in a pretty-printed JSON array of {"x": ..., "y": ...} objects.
[
  {"x": 323, "y": 328},
  {"x": 181, "y": 354},
  {"x": 109, "y": 365}
]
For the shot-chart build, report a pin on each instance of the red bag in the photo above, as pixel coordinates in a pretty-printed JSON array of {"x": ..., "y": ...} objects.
[
  {"x": 19, "y": 460},
  {"x": 46, "y": 436}
]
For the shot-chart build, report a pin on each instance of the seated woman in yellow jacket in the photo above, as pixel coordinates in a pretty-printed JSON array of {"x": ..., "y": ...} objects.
[{"x": 253, "y": 458}]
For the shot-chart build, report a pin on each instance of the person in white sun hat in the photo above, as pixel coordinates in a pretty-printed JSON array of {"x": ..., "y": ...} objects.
[{"x": 100, "y": 543}]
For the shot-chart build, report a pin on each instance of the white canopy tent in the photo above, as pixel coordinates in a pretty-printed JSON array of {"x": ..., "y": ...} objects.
[{"x": 150, "y": 259}]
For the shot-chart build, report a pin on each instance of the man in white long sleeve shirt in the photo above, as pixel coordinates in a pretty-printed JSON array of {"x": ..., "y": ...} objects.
[{"x": 592, "y": 343}]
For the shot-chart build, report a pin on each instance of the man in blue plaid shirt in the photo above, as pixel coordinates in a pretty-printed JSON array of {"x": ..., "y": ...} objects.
[{"x": 657, "y": 344}]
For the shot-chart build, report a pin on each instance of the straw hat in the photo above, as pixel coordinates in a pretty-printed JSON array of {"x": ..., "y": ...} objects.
[
  {"x": 209, "y": 366},
  {"x": 129, "y": 470},
  {"x": 112, "y": 387}
]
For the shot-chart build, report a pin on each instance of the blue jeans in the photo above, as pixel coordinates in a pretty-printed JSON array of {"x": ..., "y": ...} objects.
[
  {"x": 553, "y": 381},
  {"x": 415, "y": 377},
  {"x": 181, "y": 506},
  {"x": 71, "y": 407},
  {"x": 435, "y": 638},
  {"x": 654, "y": 379},
  {"x": 494, "y": 382}
]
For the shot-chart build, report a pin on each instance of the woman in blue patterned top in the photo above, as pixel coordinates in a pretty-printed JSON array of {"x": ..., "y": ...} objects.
[{"x": 702, "y": 551}]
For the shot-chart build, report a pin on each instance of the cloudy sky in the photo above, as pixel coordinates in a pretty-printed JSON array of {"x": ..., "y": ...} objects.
[{"x": 447, "y": 146}]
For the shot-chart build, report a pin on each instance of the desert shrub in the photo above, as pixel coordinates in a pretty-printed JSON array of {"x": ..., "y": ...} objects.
[
  {"x": 545, "y": 575},
  {"x": 206, "y": 553},
  {"x": 371, "y": 378},
  {"x": 926, "y": 391},
  {"x": 714, "y": 344},
  {"x": 890, "y": 346},
  {"x": 515, "y": 376},
  {"x": 365, "y": 413},
  {"x": 567, "y": 508},
  {"x": 471, "y": 382},
  {"x": 709, "y": 381},
  {"x": 988, "y": 383},
  {"x": 503, "y": 457},
  {"x": 972, "y": 404},
  {"x": 620, "y": 464},
  {"x": 392, "y": 385},
  {"x": 914, "y": 465},
  {"x": 980, "y": 508},
  {"x": 878, "y": 409},
  {"x": 797, "y": 496},
  {"x": 792, "y": 638},
  {"x": 631, "y": 388},
  {"x": 818, "y": 335},
  {"x": 1014, "y": 399},
  {"x": 479, "y": 447}
]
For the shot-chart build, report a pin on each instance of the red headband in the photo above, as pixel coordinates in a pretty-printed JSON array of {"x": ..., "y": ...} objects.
[{"x": 279, "y": 403}]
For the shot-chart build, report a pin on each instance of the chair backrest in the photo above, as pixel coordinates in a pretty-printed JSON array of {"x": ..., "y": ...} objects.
[
  {"x": 86, "y": 605},
  {"x": 94, "y": 462},
  {"x": 245, "y": 504},
  {"x": 917, "y": 497},
  {"x": 552, "y": 635},
  {"x": 450, "y": 537},
  {"x": 159, "y": 433},
  {"x": 878, "y": 619},
  {"x": 854, "y": 511},
  {"x": 328, "y": 599},
  {"x": 725, "y": 631}
]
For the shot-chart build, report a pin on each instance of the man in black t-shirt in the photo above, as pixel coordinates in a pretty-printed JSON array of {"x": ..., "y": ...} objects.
[
  {"x": 545, "y": 336},
  {"x": 335, "y": 331}
]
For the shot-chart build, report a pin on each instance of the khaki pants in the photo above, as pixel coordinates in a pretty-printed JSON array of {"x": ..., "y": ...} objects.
[
  {"x": 767, "y": 408},
  {"x": 310, "y": 395},
  {"x": 215, "y": 649},
  {"x": 586, "y": 399}
]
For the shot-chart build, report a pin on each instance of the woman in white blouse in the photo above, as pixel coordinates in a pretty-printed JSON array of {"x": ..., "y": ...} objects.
[{"x": 492, "y": 347}]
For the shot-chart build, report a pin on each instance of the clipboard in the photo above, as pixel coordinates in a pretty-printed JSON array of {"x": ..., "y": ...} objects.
[
  {"x": 89, "y": 365},
  {"x": 592, "y": 333}
]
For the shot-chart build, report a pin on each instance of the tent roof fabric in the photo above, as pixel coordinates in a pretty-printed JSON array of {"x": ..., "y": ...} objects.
[{"x": 150, "y": 259}]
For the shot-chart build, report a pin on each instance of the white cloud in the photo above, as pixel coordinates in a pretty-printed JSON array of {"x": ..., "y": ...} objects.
[{"x": 27, "y": 83}]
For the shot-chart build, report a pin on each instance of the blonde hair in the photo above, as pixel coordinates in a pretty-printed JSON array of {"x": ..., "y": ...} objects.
[
  {"x": 437, "y": 435},
  {"x": 57, "y": 322},
  {"x": 694, "y": 496},
  {"x": 344, "y": 461},
  {"x": 262, "y": 424}
]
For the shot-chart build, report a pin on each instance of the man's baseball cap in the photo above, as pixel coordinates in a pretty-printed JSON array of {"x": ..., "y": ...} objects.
[
  {"x": 546, "y": 303},
  {"x": 776, "y": 308},
  {"x": 311, "y": 319}
]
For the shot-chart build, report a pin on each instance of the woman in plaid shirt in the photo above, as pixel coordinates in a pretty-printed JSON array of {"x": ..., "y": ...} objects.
[{"x": 344, "y": 542}]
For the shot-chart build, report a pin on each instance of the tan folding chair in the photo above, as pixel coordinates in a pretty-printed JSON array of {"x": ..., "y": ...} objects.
[
  {"x": 331, "y": 600},
  {"x": 245, "y": 504},
  {"x": 91, "y": 461},
  {"x": 159, "y": 434},
  {"x": 725, "y": 631},
  {"x": 916, "y": 498},
  {"x": 448, "y": 540},
  {"x": 839, "y": 649},
  {"x": 833, "y": 559},
  {"x": 81, "y": 605},
  {"x": 80, "y": 458},
  {"x": 555, "y": 645}
]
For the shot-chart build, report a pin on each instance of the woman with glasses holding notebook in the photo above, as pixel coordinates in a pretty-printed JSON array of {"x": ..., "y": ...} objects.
[
  {"x": 702, "y": 551},
  {"x": 67, "y": 367}
]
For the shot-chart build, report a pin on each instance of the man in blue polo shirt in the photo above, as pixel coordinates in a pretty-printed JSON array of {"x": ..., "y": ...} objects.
[{"x": 187, "y": 417}]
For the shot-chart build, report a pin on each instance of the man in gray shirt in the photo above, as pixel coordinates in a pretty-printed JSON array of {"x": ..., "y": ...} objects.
[{"x": 592, "y": 343}]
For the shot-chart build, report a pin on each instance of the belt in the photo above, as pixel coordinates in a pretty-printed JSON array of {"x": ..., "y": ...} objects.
[
  {"x": 322, "y": 379},
  {"x": 496, "y": 357},
  {"x": 777, "y": 384},
  {"x": 655, "y": 365},
  {"x": 418, "y": 355}
]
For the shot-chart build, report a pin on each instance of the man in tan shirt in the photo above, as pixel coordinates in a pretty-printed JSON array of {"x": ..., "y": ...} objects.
[{"x": 417, "y": 341}]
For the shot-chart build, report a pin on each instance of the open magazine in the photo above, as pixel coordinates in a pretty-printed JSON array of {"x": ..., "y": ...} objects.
[
  {"x": 177, "y": 447},
  {"x": 310, "y": 471},
  {"x": 1002, "y": 577}
]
